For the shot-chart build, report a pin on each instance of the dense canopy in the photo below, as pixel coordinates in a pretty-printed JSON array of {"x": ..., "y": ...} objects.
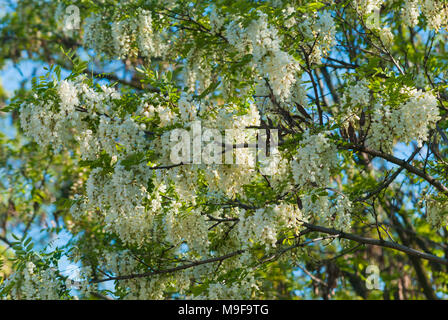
[{"x": 225, "y": 149}]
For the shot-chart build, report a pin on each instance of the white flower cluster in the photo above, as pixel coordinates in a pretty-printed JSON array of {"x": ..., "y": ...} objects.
[
  {"x": 216, "y": 19},
  {"x": 288, "y": 14},
  {"x": 436, "y": 213},
  {"x": 191, "y": 228},
  {"x": 123, "y": 37},
  {"x": 120, "y": 196},
  {"x": 50, "y": 122},
  {"x": 123, "y": 132},
  {"x": 274, "y": 166},
  {"x": 35, "y": 284},
  {"x": 325, "y": 28},
  {"x": 354, "y": 98},
  {"x": 98, "y": 36},
  {"x": 414, "y": 119},
  {"x": 265, "y": 225},
  {"x": 411, "y": 121},
  {"x": 153, "y": 106},
  {"x": 340, "y": 214},
  {"x": 357, "y": 94},
  {"x": 436, "y": 13},
  {"x": 62, "y": 121},
  {"x": 232, "y": 291},
  {"x": 318, "y": 32},
  {"x": 386, "y": 37},
  {"x": 38, "y": 122},
  {"x": 187, "y": 109},
  {"x": 366, "y": 7},
  {"x": 198, "y": 71},
  {"x": 315, "y": 160},
  {"x": 380, "y": 136},
  {"x": 153, "y": 287},
  {"x": 264, "y": 43},
  {"x": 335, "y": 214},
  {"x": 68, "y": 93},
  {"x": 227, "y": 179},
  {"x": 410, "y": 13},
  {"x": 149, "y": 43},
  {"x": 230, "y": 179}
]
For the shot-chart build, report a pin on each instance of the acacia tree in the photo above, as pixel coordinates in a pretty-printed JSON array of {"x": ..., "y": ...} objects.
[{"x": 352, "y": 94}]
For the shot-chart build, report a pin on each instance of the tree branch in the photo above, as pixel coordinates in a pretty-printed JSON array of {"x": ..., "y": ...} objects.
[
  {"x": 376, "y": 242},
  {"x": 178, "y": 268},
  {"x": 403, "y": 163}
]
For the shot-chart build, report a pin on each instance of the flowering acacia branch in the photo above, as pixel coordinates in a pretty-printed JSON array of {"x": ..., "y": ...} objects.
[
  {"x": 179, "y": 268},
  {"x": 310, "y": 227},
  {"x": 261, "y": 70}
]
